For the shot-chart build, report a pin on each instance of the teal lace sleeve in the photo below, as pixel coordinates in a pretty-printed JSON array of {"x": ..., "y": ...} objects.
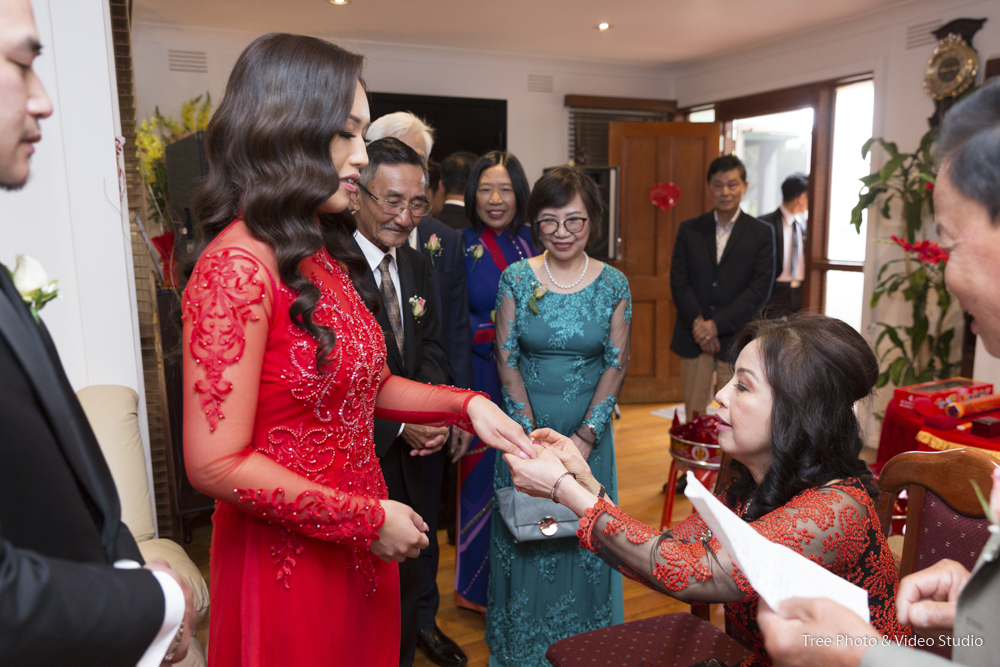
[
  {"x": 615, "y": 298},
  {"x": 510, "y": 321}
]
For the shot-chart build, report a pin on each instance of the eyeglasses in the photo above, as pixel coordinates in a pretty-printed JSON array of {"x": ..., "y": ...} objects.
[
  {"x": 394, "y": 207},
  {"x": 550, "y": 226}
]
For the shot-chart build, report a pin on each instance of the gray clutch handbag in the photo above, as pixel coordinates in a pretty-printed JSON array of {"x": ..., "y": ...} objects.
[{"x": 529, "y": 519}]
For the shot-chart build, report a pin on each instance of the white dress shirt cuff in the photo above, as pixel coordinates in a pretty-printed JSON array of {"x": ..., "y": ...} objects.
[
  {"x": 401, "y": 427},
  {"x": 173, "y": 614}
]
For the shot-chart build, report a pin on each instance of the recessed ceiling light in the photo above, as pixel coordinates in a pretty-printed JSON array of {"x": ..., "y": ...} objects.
[
  {"x": 603, "y": 26},
  {"x": 339, "y": 2}
]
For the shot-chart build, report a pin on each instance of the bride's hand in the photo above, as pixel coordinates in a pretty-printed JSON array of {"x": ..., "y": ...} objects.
[
  {"x": 401, "y": 535},
  {"x": 498, "y": 430},
  {"x": 569, "y": 455}
]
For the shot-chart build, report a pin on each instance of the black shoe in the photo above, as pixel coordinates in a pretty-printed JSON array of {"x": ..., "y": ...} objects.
[{"x": 439, "y": 648}]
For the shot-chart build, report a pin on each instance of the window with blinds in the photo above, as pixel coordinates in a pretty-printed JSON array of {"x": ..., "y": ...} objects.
[{"x": 588, "y": 132}]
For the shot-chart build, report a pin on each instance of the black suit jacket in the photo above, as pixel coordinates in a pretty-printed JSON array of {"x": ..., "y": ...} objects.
[
  {"x": 777, "y": 221},
  {"x": 454, "y": 216},
  {"x": 452, "y": 297},
  {"x": 730, "y": 291},
  {"x": 61, "y": 601},
  {"x": 423, "y": 360}
]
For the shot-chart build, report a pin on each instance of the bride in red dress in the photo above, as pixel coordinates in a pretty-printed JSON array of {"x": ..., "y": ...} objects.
[{"x": 284, "y": 373}]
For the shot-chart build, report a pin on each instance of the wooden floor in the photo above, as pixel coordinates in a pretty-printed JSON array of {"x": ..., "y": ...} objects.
[{"x": 642, "y": 450}]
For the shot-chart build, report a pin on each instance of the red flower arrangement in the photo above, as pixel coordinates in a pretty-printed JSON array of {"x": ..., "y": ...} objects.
[
  {"x": 927, "y": 251},
  {"x": 920, "y": 352}
]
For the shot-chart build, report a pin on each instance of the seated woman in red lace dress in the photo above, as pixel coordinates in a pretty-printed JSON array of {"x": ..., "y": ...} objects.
[
  {"x": 284, "y": 373},
  {"x": 788, "y": 421}
]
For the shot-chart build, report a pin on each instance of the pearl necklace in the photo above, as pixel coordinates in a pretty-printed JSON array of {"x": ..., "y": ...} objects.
[{"x": 586, "y": 264}]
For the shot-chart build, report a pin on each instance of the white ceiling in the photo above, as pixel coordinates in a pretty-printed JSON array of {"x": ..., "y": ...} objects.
[{"x": 653, "y": 32}]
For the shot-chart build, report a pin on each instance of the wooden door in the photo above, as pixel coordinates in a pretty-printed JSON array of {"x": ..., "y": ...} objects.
[{"x": 650, "y": 153}]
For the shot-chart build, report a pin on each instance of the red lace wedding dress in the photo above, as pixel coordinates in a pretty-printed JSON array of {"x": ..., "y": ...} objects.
[{"x": 288, "y": 453}]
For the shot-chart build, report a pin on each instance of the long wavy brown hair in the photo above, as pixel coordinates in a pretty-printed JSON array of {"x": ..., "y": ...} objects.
[{"x": 268, "y": 149}]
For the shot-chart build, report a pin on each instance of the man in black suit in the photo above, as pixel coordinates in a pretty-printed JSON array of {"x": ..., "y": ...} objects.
[
  {"x": 721, "y": 274},
  {"x": 444, "y": 247},
  {"x": 455, "y": 170},
  {"x": 72, "y": 590},
  {"x": 390, "y": 200},
  {"x": 790, "y": 238}
]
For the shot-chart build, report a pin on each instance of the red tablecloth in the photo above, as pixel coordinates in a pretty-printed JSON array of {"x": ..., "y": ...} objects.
[{"x": 901, "y": 428}]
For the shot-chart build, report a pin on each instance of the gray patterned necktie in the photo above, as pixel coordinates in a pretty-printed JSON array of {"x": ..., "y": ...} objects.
[{"x": 391, "y": 303}]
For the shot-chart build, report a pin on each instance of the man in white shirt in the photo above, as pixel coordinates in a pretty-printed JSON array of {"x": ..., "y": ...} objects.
[
  {"x": 444, "y": 248},
  {"x": 721, "y": 273},
  {"x": 390, "y": 202},
  {"x": 72, "y": 590},
  {"x": 790, "y": 236}
]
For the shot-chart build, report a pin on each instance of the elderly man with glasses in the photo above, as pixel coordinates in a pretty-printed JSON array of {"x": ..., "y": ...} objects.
[{"x": 390, "y": 201}]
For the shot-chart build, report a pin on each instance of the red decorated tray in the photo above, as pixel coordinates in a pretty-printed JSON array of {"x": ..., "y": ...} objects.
[{"x": 696, "y": 443}]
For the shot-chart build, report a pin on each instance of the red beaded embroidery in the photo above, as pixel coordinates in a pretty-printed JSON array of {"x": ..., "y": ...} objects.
[
  {"x": 218, "y": 301},
  {"x": 315, "y": 515}
]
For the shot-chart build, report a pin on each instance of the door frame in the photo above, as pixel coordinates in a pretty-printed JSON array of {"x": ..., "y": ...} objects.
[{"x": 664, "y": 384}]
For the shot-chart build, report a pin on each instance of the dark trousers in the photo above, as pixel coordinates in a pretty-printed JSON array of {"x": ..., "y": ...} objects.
[
  {"x": 393, "y": 465},
  {"x": 431, "y": 496},
  {"x": 784, "y": 300}
]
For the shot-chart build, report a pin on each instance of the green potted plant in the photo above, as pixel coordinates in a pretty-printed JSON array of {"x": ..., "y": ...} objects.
[{"x": 921, "y": 350}]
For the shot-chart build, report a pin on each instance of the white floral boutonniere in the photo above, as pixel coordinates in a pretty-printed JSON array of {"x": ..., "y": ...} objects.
[
  {"x": 537, "y": 293},
  {"x": 32, "y": 283},
  {"x": 433, "y": 247},
  {"x": 418, "y": 306},
  {"x": 476, "y": 252}
]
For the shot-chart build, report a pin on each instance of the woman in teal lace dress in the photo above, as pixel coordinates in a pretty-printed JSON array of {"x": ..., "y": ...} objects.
[{"x": 562, "y": 338}]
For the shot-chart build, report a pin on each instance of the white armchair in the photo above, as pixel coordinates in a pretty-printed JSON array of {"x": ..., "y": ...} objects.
[{"x": 112, "y": 411}]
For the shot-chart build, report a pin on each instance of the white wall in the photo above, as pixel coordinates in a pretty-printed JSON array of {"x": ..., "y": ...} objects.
[
  {"x": 69, "y": 215},
  {"x": 537, "y": 123}
]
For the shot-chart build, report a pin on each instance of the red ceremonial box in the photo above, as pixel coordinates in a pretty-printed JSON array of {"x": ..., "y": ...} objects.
[{"x": 941, "y": 393}]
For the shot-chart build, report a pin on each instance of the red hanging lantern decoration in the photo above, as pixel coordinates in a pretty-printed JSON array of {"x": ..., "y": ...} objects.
[{"x": 664, "y": 195}]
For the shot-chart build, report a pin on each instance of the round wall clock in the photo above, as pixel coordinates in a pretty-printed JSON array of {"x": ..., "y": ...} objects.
[{"x": 952, "y": 68}]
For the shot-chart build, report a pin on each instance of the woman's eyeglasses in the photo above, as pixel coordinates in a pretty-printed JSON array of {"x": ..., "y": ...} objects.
[
  {"x": 549, "y": 226},
  {"x": 394, "y": 207}
]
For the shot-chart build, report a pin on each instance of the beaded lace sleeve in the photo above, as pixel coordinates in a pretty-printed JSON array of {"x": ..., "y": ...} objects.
[
  {"x": 616, "y": 356},
  {"x": 826, "y": 525},
  {"x": 408, "y": 402},
  {"x": 228, "y": 307}
]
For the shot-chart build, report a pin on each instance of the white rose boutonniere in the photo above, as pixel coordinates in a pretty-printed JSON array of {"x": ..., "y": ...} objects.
[
  {"x": 476, "y": 252},
  {"x": 433, "y": 247},
  {"x": 32, "y": 283},
  {"x": 418, "y": 306}
]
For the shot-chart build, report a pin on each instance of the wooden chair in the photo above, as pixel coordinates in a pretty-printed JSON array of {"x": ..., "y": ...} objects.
[
  {"x": 944, "y": 518},
  {"x": 668, "y": 639}
]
